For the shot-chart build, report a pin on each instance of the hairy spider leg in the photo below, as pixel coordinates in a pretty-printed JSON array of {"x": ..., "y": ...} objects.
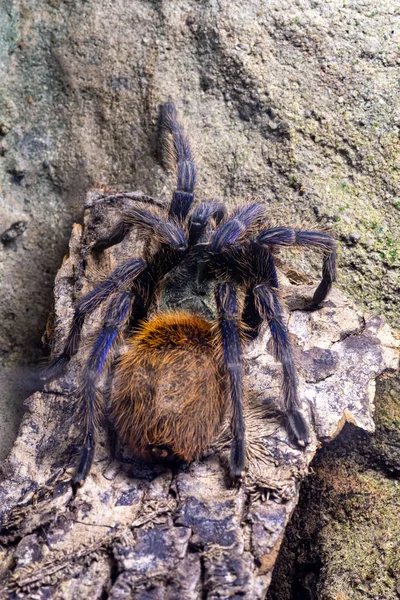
[
  {"x": 254, "y": 266},
  {"x": 122, "y": 278},
  {"x": 173, "y": 244},
  {"x": 164, "y": 231},
  {"x": 243, "y": 220},
  {"x": 270, "y": 309},
  {"x": 168, "y": 234},
  {"x": 230, "y": 333},
  {"x": 91, "y": 406},
  {"x": 115, "y": 237},
  {"x": 200, "y": 218},
  {"x": 183, "y": 197},
  {"x": 261, "y": 268},
  {"x": 284, "y": 236}
]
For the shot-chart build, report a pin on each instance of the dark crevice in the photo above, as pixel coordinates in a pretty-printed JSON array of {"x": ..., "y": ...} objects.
[
  {"x": 203, "y": 591},
  {"x": 113, "y": 575},
  {"x": 299, "y": 572}
]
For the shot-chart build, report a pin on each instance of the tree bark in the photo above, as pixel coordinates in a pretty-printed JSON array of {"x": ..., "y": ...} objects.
[{"x": 139, "y": 530}]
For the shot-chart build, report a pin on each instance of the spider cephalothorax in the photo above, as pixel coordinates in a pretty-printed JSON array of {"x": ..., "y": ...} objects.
[{"x": 205, "y": 284}]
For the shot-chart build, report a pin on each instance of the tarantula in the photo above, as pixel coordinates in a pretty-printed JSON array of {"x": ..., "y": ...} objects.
[{"x": 206, "y": 283}]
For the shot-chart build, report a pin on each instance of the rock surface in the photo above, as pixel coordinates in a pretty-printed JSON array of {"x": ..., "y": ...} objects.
[
  {"x": 343, "y": 535},
  {"x": 294, "y": 105},
  {"x": 142, "y": 530}
]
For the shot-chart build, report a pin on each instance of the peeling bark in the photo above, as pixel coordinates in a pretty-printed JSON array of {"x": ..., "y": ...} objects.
[{"x": 142, "y": 530}]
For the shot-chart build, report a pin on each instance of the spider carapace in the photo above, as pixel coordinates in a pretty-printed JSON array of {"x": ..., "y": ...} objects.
[{"x": 204, "y": 286}]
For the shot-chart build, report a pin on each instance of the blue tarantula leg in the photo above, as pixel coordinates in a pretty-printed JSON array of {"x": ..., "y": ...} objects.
[
  {"x": 183, "y": 197},
  {"x": 328, "y": 277},
  {"x": 270, "y": 309},
  {"x": 284, "y": 236},
  {"x": 116, "y": 316},
  {"x": 200, "y": 217},
  {"x": 165, "y": 232},
  {"x": 261, "y": 268},
  {"x": 230, "y": 333},
  {"x": 115, "y": 237},
  {"x": 236, "y": 227},
  {"x": 124, "y": 277},
  {"x": 85, "y": 461}
]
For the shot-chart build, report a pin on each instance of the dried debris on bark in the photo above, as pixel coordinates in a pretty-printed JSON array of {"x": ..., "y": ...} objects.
[{"x": 142, "y": 530}]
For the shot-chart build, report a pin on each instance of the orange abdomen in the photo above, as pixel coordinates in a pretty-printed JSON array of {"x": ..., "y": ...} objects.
[{"x": 168, "y": 393}]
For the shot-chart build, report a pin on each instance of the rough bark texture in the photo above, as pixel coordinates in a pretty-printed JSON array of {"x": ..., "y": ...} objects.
[{"x": 143, "y": 531}]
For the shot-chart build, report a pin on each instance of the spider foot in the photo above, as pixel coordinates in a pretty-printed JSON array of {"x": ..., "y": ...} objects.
[
  {"x": 238, "y": 459},
  {"x": 299, "y": 428},
  {"x": 312, "y": 307},
  {"x": 54, "y": 369},
  {"x": 162, "y": 452},
  {"x": 85, "y": 463}
]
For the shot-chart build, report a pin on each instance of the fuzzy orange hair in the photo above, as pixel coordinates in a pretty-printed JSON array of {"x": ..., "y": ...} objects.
[{"x": 168, "y": 391}]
